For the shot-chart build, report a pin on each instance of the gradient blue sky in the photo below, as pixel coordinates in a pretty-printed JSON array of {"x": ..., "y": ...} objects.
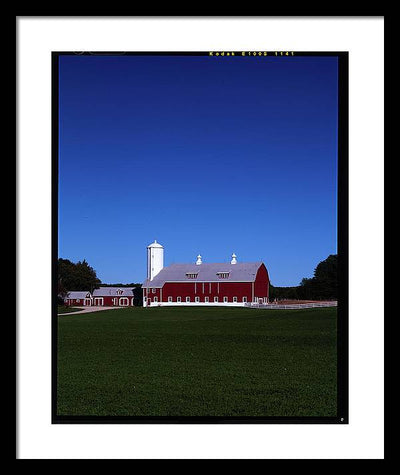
[{"x": 207, "y": 155}]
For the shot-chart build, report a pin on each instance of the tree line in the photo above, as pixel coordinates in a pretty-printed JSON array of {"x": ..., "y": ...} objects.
[{"x": 322, "y": 286}]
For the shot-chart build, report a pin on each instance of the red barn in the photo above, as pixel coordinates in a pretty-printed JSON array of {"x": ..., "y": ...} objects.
[
  {"x": 218, "y": 284},
  {"x": 81, "y": 298},
  {"x": 113, "y": 296}
]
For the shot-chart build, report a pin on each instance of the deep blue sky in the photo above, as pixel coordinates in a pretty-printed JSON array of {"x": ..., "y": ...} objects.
[{"x": 207, "y": 155}]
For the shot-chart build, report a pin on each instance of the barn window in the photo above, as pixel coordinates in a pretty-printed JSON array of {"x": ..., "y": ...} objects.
[
  {"x": 223, "y": 275},
  {"x": 153, "y": 291},
  {"x": 169, "y": 299},
  {"x": 215, "y": 299},
  {"x": 225, "y": 299},
  {"x": 244, "y": 299},
  {"x": 190, "y": 275},
  {"x": 187, "y": 299},
  {"x": 197, "y": 299},
  {"x": 178, "y": 299},
  {"x": 155, "y": 299},
  {"x": 206, "y": 299},
  {"x": 235, "y": 299}
]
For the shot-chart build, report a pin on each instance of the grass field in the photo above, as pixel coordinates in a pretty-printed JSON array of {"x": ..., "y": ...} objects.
[
  {"x": 63, "y": 309},
  {"x": 198, "y": 362}
]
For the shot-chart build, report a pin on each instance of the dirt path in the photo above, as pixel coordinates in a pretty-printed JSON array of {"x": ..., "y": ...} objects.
[{"x": 87, "y": 310}]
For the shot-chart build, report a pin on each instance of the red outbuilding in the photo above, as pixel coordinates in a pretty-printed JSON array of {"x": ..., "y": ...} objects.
[
  {"x": 80, "y": 298},
  {"x": 215, "y": 284},
  {"x": 113, "y": 297}
]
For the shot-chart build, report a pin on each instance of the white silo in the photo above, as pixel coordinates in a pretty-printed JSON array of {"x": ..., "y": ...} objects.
[{"x": 155, "y": 259}]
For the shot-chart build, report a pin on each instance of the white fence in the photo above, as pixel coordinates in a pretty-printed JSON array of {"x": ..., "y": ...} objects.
[{"x": 272, "y": 306}]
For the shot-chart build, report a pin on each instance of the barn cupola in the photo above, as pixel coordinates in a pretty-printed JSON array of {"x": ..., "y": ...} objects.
[
  {"x": 199, "y": 261},
  {"x": 155, "y": 259},
  {"x": 234, "y": 260}
]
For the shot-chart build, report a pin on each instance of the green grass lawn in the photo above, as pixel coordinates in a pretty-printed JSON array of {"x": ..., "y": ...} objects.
[
  {"x": 64, "y": 309},
  {"x": 198, "y": 362}
]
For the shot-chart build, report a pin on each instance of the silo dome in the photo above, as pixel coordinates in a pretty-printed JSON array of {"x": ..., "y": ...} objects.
[{"x": 155, "y": 244}]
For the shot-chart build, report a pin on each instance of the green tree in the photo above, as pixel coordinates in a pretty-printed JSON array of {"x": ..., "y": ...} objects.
[
  {"x": 61, "y": 292},
  {"x": 77, "y": 276},
  {"x": 324, "y": 283},
  {"x": 138, "y": 295}
]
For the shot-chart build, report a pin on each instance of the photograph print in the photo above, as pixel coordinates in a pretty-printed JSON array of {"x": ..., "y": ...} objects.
[{"x": 199, "y": 237}]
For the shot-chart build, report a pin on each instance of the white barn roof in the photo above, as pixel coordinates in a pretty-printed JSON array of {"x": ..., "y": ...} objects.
[{"x": 240, "y": 272}]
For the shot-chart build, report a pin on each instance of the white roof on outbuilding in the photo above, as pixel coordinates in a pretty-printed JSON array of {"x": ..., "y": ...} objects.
[
  {"x": 113, "y": 292},
  {"x": 78, "y": 295}
]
